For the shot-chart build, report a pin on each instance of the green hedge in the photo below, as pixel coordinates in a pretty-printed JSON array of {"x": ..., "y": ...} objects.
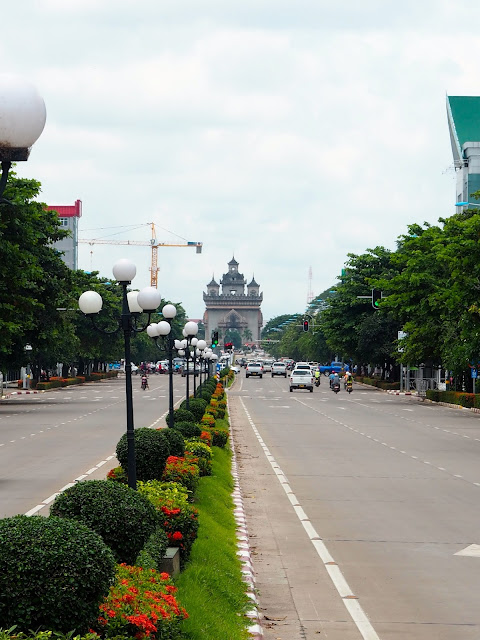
[
  {"x": 376, "y": 382},
  {"x": 461, "y": 398}
]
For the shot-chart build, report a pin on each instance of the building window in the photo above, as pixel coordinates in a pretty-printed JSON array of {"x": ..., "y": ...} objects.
[
  {"x": 213, "y": 292},
  {"x": 63, "y": 222},
  {"x": 253, "y": 292}
]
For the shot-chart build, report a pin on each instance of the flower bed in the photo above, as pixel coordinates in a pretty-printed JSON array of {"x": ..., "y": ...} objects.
[
  {"x": 140, "y": 604},
  {"x": 178, "y": 517}
]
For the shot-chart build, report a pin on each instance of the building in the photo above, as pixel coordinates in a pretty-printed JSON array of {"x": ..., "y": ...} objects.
[
  {"x": 463, "y": 113},
  {"x": 232, "y": 308},
  {"x": 69, "y": 216}
]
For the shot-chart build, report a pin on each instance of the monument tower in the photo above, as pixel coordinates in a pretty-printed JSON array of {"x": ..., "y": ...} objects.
[{"x": 233, "y": 308}]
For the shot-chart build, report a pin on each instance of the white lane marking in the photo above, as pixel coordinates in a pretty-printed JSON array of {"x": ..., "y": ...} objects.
[
  {"x": 352, "y": 604},
  {"x": 473, "y": 550}
]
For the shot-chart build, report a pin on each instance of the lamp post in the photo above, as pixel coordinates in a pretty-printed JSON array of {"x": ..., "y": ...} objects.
[
  {"x": 213, "y": 360},
  {"x": 133, "y": 304},
  {"x": 201, "y": 346},
  {"x": 22, "y": 119},
  {"x": 190, "y": 330},
  {"x": 164, "y": 330}
]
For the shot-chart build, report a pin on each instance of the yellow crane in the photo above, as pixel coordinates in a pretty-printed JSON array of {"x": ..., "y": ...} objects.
[{"x": 153, "y": 243}]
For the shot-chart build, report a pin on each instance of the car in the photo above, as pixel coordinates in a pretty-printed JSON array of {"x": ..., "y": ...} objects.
[
  {"x": 236, "y": 368},
  {"x": 267, "y": 366},
  {"x": 279, "y": 369},
  {"x": 254, "y": 369},
  {"x": 301, "y": 379}
]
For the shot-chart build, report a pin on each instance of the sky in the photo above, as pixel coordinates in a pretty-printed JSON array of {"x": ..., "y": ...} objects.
[{"x": 287, "y": 133}]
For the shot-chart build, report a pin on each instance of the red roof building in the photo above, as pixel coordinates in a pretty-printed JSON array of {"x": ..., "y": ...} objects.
[{"x": 69, "y": 216}]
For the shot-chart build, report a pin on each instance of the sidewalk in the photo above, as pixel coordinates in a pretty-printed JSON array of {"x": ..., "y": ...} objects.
[{"x": 297, "y": 600}]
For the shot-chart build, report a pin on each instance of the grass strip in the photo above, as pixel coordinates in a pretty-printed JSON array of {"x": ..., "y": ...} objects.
[{"x": 211, "y": 586}]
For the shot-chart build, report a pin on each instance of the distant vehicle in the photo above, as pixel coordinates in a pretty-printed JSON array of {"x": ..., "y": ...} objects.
[
  {"x": 279, "y": 369},
  {"x": 162, "y": 366},
  {"x": 301, "y": 379},
  {"x": 336, "y": 367},
  {"x": 267, "y": 366},
  {"x": 236, "y": 368},
  {"x": 254, "y": 369}
]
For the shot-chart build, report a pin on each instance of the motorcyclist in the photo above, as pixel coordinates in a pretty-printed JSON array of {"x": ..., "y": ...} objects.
[
  {"x": 331, "y": 377},
  {"x": 336, "y": 380},
  {"x": 145, "y": 382},
  {"x": 317, "y": 377}
]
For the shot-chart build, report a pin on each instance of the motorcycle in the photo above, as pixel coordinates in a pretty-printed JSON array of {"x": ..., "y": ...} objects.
[
  {"x": 349, "y": 387},
  {"x": 144, "y": 384},
  {"x": 317, "y": 382},
  {"x": 336, "y": 387}
]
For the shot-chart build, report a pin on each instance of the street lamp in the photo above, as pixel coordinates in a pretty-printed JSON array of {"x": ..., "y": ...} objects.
[
  {"x": 201, "y": 346},
  {"x": 164, "y": 329},
  {"x": 133, "y": 304},
  {"x": 22, "y": 119},
  {"x": 190, "y": 330}
]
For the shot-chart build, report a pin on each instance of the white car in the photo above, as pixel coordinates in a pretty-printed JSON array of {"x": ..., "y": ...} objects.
[
  {"x": 301, "y": 379},
  {"x": 254, "y": 369},
  {"x": 267, "y": 366},
  {"x": 279, "y": 369}
]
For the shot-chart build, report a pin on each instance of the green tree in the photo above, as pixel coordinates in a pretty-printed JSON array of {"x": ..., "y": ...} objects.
[
  {"x": 348, "y": 324},
  {"x": 33, "y": 280}
]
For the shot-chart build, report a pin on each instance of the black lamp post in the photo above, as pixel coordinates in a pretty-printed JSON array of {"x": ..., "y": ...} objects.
[
  {"x": 22, "y": 119},
  {"x": 164, "y": 329},
  {"x": 133, "y": 304},
  {"x": 190, "y": 330}
]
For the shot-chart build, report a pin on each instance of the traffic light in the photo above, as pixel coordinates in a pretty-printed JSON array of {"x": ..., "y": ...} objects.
[
  {"x": 376, "y": 298},
  {"x": 305, "y": 325},
  {"x": 214, "y": 338}
]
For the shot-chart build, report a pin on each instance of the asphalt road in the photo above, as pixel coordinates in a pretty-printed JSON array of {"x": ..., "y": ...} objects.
[
  {"x": 48, "y": 440},
  {"x": 358, "y": 508}
]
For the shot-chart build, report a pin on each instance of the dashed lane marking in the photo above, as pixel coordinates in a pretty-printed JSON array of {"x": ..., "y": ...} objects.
[{"x": 350, "y": 600}]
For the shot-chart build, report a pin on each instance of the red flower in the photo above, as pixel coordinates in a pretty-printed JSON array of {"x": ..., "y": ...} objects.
[{"x": 177, "y": 535}]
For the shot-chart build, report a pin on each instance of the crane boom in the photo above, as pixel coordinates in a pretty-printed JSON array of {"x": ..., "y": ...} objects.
[{"x": 154, "y": 246}]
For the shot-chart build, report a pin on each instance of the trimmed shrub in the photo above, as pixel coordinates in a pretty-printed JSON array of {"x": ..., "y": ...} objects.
[
  {"x": 154, "y": 550},
  {"x": 202, "y": 453},
  {"x": 219, "y": 436},
  {"x": 151, "y": 453},
  {"x": 175, "y": 441},
  {"x": 121, "y": 516},
  {"x": 208, "y": 420},
  {"x": 185, "y": 472},
  {"x": 206, "y": 437},
  {"x": 197, "y": 407},
  {"x": 54, "y": 573},
  {"x": 177, "y": 516},
  {"x": 188, "y": 429},
  {"x": 181, "y": 415}
]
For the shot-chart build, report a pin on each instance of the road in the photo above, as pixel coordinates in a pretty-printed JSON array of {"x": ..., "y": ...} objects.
[
  {"x": 48, "y": 440},
  {"x": 360, "y": 507}
]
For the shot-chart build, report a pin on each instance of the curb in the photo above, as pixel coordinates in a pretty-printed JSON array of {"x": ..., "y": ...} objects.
[
  {"x": 17, "y": 393},
  {"x": 244, "y": 552}
]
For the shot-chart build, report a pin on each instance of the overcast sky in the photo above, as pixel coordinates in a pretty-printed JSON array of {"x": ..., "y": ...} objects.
[{"x": 286, "y": 132}]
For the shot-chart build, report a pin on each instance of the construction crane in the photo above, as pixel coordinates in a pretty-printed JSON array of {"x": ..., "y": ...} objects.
[{"x": 153, "y": 243}]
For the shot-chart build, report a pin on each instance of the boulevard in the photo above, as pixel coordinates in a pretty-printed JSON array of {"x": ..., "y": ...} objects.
[
  {"x": 359, "y": 504},
  {"x": 48, "y": 440}
]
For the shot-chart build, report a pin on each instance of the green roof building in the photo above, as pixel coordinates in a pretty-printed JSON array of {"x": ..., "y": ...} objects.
[{"x": 463, "y": 113}]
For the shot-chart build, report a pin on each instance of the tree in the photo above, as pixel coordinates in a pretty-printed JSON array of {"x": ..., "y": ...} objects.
[
  {"x": 348, "y": 322},
  {"x": 34, "y": 278}
]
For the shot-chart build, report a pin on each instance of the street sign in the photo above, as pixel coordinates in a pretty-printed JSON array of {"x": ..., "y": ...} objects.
[{"x": 474, "y": 373}]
